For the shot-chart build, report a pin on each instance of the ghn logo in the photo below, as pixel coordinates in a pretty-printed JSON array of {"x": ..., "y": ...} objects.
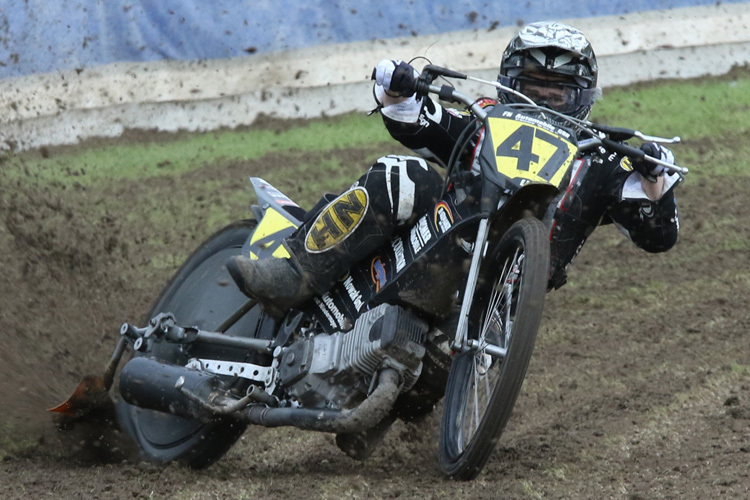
[{"x": 337, "y": 221}]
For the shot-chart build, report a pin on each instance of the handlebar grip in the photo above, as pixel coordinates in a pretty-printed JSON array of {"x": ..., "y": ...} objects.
[
  {"x": 633, "y": 153},
  {"x": 421, "y": 87},
  {"x": 446, "y": 94},
  {"x": 616, "y": 133}
]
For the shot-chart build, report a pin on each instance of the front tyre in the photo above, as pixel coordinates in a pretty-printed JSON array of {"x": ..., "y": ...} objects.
[
  {"x": 485, "y": 380},
  {"x": 200, "y": 294}
]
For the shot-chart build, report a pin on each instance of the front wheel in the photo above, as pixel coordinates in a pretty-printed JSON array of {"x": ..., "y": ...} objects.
[
  {"x": 486, "y": 379},
  {"x": 200, "y": 294}
]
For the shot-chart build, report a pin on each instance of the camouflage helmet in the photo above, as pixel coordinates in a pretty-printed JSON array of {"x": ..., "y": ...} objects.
[{"x": 554, "y": 49}]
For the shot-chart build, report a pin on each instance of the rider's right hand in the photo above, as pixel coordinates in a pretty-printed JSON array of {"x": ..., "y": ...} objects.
[
  {"x": 653, "y": 150},
  {"x": 397, "y": 77}
]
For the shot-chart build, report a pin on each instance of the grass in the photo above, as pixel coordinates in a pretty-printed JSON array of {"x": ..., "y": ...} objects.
[
  {"x": 189, "y": 151},
  {"x": 683, "y": 108}
]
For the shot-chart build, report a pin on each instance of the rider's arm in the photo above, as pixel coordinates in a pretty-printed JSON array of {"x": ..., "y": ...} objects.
[
  {"x": 653, "y": 189},
  {"x": 646, "y": 211},
  {"x": 421, "y": 124},
  {"x": 654, "y": 182}
]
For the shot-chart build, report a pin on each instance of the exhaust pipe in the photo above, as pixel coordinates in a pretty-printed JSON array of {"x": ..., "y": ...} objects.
[
  {"x": 368, "y": 414},
  {"x": 151, "y": 384}
]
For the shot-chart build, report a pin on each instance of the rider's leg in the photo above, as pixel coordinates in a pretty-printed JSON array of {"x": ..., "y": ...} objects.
[{"x": 394, "y": 192}]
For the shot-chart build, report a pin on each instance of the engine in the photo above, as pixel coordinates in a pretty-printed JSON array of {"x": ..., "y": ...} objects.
[{"x": 336, "y": 371}]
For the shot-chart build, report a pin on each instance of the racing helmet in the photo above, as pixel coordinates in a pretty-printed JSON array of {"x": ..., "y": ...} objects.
[{"x": 554, "y": 65}]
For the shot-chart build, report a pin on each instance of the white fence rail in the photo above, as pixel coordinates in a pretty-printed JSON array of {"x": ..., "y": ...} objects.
[{"x": 68, "y": 106}]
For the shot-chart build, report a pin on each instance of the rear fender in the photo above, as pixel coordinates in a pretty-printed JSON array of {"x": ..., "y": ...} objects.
[{"x": 278, "y": 217}]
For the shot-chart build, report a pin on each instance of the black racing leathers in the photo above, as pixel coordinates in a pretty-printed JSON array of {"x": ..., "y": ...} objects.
[{"x": 603, "y": 189}]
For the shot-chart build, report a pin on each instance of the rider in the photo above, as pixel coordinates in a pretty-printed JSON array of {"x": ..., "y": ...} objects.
[{"x": 554, "y": 65}]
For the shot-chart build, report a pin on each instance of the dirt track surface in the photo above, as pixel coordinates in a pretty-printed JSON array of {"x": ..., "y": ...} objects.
[{"x": 639, "y": 386}]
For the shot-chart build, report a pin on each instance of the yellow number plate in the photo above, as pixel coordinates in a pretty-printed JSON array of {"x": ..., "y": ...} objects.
[{"x": 526, "y": 152}]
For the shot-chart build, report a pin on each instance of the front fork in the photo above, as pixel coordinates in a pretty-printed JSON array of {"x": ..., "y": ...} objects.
[{"x": 459, "y": 343}]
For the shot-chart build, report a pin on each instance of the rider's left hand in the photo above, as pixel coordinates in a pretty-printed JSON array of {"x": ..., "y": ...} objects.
[{"x": 654, "y": 150}]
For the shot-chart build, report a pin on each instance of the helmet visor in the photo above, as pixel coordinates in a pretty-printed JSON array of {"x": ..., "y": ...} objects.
[{"x": 566, "y": 98}]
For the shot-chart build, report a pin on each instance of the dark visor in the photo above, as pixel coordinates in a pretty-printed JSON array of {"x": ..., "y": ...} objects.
[{"x": 563, "y": 97}]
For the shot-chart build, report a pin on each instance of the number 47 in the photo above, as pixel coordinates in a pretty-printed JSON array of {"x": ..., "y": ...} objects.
[{"x": 520, "y": 145}]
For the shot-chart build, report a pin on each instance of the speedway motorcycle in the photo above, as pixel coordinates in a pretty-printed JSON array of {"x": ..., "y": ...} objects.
[{"x": 448, "y": 308}]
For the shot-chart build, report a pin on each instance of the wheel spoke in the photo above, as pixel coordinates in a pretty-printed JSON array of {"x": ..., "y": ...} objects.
[
  {"x": 486, "y": 378},
  {"x": 491, "y": 345}
]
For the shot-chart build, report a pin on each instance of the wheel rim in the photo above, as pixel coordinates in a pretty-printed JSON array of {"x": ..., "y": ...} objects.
[
  {"x": 164, "y": 430},
  {"x": 200, "y": 294}
]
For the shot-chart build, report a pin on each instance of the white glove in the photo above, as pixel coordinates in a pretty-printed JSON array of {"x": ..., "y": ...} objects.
[
  {"x": 657, "y": 151},
  {"x": 396, "y": 77}
]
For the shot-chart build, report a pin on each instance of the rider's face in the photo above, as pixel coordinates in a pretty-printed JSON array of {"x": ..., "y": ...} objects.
[{"x": 558, "y": 93}]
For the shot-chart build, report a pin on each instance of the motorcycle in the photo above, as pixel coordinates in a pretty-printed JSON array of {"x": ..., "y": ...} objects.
[{"x": 448, "y": 309}]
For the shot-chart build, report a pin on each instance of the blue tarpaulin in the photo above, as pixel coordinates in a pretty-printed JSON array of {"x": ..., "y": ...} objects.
[{"x": 39, "y": 36}]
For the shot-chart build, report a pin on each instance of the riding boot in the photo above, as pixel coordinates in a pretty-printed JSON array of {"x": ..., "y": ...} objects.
[{"x": 321, "y": 251}]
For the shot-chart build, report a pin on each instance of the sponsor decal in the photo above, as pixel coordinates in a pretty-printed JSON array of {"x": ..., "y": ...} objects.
[
  {"x": 398, "y": 250},
  {"x": 330, "y": 305},
  {"x": 626, "y": 164},
  {"x": 486, "y": 102},
  {"x": 337, "y": 221},
  {"x": 354, "y": 294},
  {"x": 420, "y": 235},
  {"x": 519, "y": 117},
  {"x": 647, "y": 210},
  {"x": 377, "y": 272},
  {"x": 325, "y": 312},
  {"x": 443, "y": 217}
]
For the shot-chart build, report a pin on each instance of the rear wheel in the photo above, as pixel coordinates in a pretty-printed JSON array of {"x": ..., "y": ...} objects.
[
  {"x": 200, "y": 294},
  {"x": 484, "y": 381}
]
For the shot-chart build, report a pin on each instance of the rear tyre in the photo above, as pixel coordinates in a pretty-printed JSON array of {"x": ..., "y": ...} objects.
[
  {"x": 483, "y": 386},
  {"x": 200, "y": 294}
]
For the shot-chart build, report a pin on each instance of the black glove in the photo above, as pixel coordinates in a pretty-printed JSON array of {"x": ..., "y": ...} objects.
[
  {"x": 397, "y": 77},
  {"x": 648, "y": 169}
]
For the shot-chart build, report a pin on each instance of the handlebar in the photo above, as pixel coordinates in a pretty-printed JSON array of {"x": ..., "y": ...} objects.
[{"x": 607, "y": 136}]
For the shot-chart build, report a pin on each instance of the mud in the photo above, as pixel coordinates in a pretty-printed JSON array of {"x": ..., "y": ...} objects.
[{"x": 639, "y": 386}]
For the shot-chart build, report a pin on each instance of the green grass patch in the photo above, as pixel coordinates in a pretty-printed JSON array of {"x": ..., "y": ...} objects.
[
  {"x": 108, "y": 160},
  {"x": 739, "y": 369},
  {"x": 691, "y": 109}
]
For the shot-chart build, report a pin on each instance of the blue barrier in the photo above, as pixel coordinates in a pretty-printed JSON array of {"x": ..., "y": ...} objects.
[{"x": 39, "y": 36}]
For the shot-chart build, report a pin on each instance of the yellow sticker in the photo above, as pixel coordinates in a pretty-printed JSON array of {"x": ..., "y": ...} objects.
[
  {"x": 270, "y": 233},
  {"x": 337, "y": 221},
  {"x": 526, "y": 151},
  {"x": 626, "y": 164}
]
